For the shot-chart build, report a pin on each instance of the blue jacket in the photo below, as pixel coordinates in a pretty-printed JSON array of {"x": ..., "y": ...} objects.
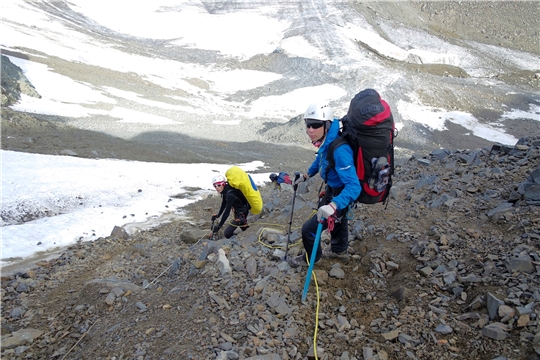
[{"x": 344, "y": 173}]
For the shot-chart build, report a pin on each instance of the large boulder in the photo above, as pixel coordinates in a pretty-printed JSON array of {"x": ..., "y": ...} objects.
[{"x": 14, "y": 83}]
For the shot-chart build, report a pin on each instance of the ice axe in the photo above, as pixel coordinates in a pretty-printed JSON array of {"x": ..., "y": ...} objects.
[
  {"x": 312, "y": 259},
  {"x": 296, "y": 176}
]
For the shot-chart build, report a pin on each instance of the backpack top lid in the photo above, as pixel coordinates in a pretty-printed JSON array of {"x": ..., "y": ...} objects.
[{"x": 367, "y": 109}]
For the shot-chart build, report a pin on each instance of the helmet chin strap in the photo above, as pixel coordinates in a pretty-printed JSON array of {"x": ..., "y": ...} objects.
[{"x": 318, "y": 143}]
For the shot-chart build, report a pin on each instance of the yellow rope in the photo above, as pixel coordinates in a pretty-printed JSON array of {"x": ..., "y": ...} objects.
[
  {"x": 316, "y": 310},
  {"x": 261, "y": 231}
]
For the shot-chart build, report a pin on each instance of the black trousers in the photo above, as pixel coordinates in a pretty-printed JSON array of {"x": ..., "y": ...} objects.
[
  {"x": 229, "y": 231},
  {"x": 339, "y": 236},
  {"x": 239, "y": 221}
]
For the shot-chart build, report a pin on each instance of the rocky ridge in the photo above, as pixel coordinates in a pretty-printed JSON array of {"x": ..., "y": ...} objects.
[{"x": 449, "y": 269}]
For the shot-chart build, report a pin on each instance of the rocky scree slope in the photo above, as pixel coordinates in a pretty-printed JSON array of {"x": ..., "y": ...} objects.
[{"x": 449, "y": 269}]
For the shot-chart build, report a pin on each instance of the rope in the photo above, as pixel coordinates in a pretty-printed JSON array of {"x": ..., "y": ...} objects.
[
  {"x": 261, "y": 231},
  {"x": 260, "y": 239},
  {"x": 82, "y": 337},
  {"x": 331, "y": 222},
  {"x": 316, "y": 311}
]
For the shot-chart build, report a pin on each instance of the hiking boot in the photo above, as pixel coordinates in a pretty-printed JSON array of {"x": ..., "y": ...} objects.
[
  {"x": 298, "y": 261},
  {"x": 328, "y": 253}
]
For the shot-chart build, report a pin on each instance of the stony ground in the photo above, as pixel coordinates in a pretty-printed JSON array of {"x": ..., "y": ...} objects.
[{"x": 449, "y": 269}]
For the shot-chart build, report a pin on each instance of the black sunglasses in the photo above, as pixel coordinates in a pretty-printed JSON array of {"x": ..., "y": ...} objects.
[{"x": 314, "y": 124}]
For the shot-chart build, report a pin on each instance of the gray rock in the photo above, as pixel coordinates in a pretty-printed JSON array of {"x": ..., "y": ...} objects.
[
  {"x": 367, "y": 352},
  {"x": 521, "y": 264},
  {"x": 425, "y": 181},
  {"x": 20, "y": 337},
  {"x": 109, "y": 300},
  {"x": 439, "y": 201},
  {"x": 500, "y": 209},
  {"x": 469, "y": 278},
  {"x": 118, "y": 291},
  {"x": 523, "y": 310},
  {"x": 426, "y": 271},
  {"x": 337, "y": 272},
  {"x": 219, "y": 300},
  {"x": 264, "y": 357},
  {"x": 17, "y": 313},
  {"x": 399, "y": 293},
  {"x": 175, "y": 266},
  {"x": 223, "y": 264},
  {"x": 494, "y": 332},
  {"x": 119, "y": 232},
  {"x": 449, "y": 277},
  {"x": 406, "y": 339},
  {"x": 192, "y": 236},
  {"x": 251, "y": 267},
  {"x": 424, "y": 162},
  {"x": 439, "y": 154},
  {"x": 388, "y": 336},
  {"x": 536, "y": 343},
  {"x": 68, "y": 152},
  {"x": 444, "y": 329},
  {"x": 493, "y": 304},
  {"x": 283, "y": 309},
  {"x": 141, "y": 306},
  {"x": 14, "y": 82},
  {"x": 22, "y": 288},
  {"x": 111, "y": 283}
]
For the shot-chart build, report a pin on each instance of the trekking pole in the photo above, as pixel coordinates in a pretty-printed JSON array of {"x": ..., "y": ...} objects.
[
  {"x": 212, "y": 230},
  {"x": 296, "y": 176},
  {"x": 312, "y": 259}
]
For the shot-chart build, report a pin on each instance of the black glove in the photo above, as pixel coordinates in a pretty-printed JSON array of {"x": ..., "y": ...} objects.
[{"x": 214, "y": 217}]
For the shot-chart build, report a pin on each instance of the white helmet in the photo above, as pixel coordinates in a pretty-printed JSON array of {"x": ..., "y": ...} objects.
[
  {"x": 219, "y": 179},
  {"x": 321, "y": 112}
]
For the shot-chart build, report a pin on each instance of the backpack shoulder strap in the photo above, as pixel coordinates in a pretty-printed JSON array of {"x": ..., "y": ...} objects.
[{"x": 332, "y": 147}]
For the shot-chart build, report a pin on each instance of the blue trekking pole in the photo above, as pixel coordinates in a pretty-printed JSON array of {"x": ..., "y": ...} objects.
[{"x": 312, "y": 259}]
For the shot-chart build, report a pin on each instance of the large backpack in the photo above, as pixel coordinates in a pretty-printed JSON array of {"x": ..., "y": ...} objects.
[
  {"x": 239, "y": 179},
  {"x": 283, "y": 177},
  {"x": 370, "y": 130}
]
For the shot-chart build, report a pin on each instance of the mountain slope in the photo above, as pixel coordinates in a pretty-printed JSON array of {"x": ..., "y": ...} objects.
[
  {"x": 448, "y": 269},
  {"x": 455, "y": 74}
]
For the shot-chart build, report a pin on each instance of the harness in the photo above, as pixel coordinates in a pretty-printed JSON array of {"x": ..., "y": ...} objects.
[{"x": 240, "y": 207}]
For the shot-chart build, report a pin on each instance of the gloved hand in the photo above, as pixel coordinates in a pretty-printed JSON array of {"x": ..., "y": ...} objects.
[
  {"x": 326, "y": 211},
  {"x": 301, "y": 178},
  {"x": 214, "y": 217}
]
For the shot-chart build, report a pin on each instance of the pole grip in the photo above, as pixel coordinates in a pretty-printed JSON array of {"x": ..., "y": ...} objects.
[{"x": 296, "y": 177}]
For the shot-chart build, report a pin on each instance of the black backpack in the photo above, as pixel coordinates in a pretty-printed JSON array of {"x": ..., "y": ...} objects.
[{"x": 370, "y": 130}]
